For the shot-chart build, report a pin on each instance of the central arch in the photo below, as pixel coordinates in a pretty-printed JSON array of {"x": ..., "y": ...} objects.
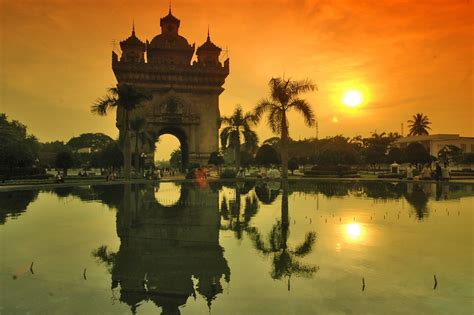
[{"x": 180, "y": 134}]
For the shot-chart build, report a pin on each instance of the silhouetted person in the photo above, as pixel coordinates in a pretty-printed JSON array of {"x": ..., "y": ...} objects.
[
  {"x": 437, "y": 175},
  {"x": 445, "y": 172}
]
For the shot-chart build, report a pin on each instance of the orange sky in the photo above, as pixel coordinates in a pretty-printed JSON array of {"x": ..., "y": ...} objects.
[{"x": 406, "y": 56}]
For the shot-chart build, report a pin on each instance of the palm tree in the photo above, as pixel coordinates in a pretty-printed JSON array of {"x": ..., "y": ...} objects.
[
  {"x": 238, "y": 218},
  {"x": 284, "y": 96},
  {"x": 141, "y": 135},
  {"x": 419, "y": 125},
  {"x": 285, "y": 259},
  {"x": 125, "y": 98},
  {"x": 239, "y": 124}
]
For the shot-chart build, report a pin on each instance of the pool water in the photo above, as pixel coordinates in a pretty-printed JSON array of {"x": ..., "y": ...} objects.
[{"x": 238, "y": 248}]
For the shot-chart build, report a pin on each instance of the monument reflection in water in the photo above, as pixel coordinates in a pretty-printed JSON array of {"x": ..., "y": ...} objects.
[
  {"x": 161, "y": 248},
  {"x": 167, "y": 253}
]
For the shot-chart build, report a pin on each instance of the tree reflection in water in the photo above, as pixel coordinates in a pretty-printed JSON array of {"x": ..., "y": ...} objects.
[
  {"x": 285, "y": 262},
  {"x": 238, "y": 219},
  {"x": 14, "y": 203},
  {"x": 166, "y": 254}
]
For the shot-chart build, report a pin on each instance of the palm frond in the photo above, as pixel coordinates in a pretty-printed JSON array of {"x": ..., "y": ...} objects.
[
  {"x": 264, "y": 106},
  {"x": 226, "y": 120},
  {"x": 225, "y": 136},
  {"x": 113, "y": 91},
  {"x": 102, "y": 105},
  {"x": 274, "y": 120},
  {"x": 234, "y": 138},
  {"x": 307, "y": 246},
  {"x": 305, "y": 109},
  {"x": 257, "y": 241},
  {"x": 250, "y": 139},
  {"x": 279, "y": 90},
  {"x": 301, "y": 86}
]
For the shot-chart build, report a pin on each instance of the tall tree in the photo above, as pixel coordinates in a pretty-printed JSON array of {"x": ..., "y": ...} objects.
[
  {"x": 96, "y": 141},
  {"x": 237, "y": 126},
  {"x": 284, "y": 96},
  {"x": 125, "y": 98},
  {"x": 176, "y": 158},
  {"x": 419, "y": 125},
  {"x": 18, "y": 149}
]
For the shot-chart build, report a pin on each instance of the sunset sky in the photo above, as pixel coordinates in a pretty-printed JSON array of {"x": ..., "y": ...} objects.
[{"x": 403, "y": 56}]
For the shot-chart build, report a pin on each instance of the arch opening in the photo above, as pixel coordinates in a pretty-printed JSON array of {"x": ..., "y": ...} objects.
[{"x": 170, "y": 139}]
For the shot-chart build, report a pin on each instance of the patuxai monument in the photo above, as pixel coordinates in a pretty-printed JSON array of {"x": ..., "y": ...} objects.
[{"x": 185, "y": 93}]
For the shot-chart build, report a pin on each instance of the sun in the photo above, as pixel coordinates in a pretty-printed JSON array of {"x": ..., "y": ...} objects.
[{"x": 352, "y": 98}]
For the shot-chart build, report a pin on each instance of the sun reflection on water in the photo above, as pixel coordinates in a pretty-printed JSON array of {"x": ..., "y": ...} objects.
[{"x": 353, "y": 231}]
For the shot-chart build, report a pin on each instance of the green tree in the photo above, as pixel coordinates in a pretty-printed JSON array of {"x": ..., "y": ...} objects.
[
  {"x": 237, "y": 126},
  {"x": 266, "y": 156},
  {"x": 49, "y": 150},
  {"x": 95, "y": 141},
  {"x": 419, "y": 125},
  {"x": 111, "y": 156},
  {"x": 246, "y": 159},
  {"x": 176, "y": 158},
  {"x": 293, "y": 165},
  {"x": 18, "y": 149},
  {"x": 396, "y": 155},
  {"x": 376, "y": 147},
  {"x": 125, "y": 98},
  {"x": 417, "y": 153},
  {"x": 284, "y": 96},
  {"x": 216, "y": 159},
  {"x": 450, "y": 153},
  {"x": 64, "y": 160},
  {"x": 335, "y": 151}
]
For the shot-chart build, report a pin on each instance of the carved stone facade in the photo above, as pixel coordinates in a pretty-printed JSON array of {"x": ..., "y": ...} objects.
[{"x": 185, "y": 95}]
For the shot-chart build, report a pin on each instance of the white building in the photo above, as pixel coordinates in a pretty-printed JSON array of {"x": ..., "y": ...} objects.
[
  {"x": 87, "y": 150},
  {"x": 434, "y": 143}
]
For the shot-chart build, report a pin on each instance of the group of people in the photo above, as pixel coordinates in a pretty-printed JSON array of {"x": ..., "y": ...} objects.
[
  {"x": 158, "y": 173},
  {"x": 426, "y": 173},
  {"x": 110, "y": 174}
]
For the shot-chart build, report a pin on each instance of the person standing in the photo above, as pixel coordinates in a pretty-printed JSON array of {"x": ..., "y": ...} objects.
[
  {"x": 410, "y": 172},
  {"x": 426, "y": 172},
  {"x": 437, "y": 171},
  {"x": 445, "y": 172}
]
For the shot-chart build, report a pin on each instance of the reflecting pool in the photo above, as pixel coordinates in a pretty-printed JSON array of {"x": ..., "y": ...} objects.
[{"x": 310, "y": 247}]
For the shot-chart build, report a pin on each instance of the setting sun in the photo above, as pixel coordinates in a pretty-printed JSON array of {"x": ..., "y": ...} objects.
[{"x": 352, "y": 98}]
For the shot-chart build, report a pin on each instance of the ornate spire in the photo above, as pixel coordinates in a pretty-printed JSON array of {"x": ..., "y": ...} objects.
[
  {"x": 132, "y": 40},
  {"x": 208, "y": 44},
  {"x": 169, "y": 19}
]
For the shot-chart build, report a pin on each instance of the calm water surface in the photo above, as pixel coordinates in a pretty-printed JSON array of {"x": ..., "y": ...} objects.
[{"x": 238, "y": 248}]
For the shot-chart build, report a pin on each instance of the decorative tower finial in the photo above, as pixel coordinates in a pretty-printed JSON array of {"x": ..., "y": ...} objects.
[
  {"x": 208, "y": 37},
  {"x": 169, "y": 11},
  {"x": 133, "y": 27}
]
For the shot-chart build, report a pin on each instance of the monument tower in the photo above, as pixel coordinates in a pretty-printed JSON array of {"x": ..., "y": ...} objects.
[{"x": 185, "y": 93}]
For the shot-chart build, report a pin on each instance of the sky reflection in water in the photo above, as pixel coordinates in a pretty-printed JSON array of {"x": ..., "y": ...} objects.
[{"x": 238, "y": 248}]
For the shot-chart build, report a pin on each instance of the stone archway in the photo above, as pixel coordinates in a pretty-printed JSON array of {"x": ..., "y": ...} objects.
[
  {"x": 185, "y": 92},
  {"x": 180, "y": 134}
]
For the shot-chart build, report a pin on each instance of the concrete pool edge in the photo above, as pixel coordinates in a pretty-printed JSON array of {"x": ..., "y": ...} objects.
[{"x": 31, "y": 186}]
